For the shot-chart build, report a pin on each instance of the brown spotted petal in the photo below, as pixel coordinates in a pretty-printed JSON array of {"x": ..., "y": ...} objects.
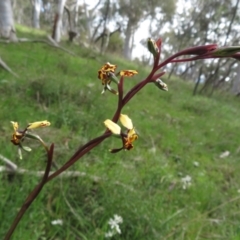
[
  {"x": 108, "y": 67},
  {"x": 102, "y": 75},
  {"x": 128, "y": 73}
]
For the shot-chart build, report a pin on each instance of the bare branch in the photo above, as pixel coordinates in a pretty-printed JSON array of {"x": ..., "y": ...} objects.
[
  {"x": 5, "y": 66},
  {"x": 13, "y": 168},
  {"x": 41, "y": 173},
  {"x": 10, "y": 165}
]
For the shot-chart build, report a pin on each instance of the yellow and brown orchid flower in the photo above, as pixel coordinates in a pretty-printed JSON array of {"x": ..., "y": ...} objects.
[
  {"x": 107, "y": 74},
  {"x": 19, "y": 135},
  {"x": 127, "y": 138},
  {"x": 103, "y": 73}
]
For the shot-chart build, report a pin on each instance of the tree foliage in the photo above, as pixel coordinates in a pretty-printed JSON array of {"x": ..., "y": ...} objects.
[{"x": 205, "y": 22}]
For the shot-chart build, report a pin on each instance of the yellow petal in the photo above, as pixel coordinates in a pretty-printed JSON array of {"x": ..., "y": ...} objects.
[
  {"x": 126, "y": 121},
  {"x": 108, "y": 67},
  {"x": 15, "y": 125},
  {"x": 113, "y": 127},
  {"x": 128, "y": 73},
  {"x": 44, "y": 123},
  {"x": 132, "y": 135}
]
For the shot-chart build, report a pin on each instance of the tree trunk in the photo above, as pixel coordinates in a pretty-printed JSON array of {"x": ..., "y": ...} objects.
[
  {"x": 127, "y": 49},
  {"x": 88, "y": 17},
  {"x": 198, "y": 81},
  {"x": 76, "y": 13},
  {"x": 56, "y": 35},
  {"x": 36, "y": 10},
  {"x": 236, "y": 82},
  {"x": 7, "y": 29}
]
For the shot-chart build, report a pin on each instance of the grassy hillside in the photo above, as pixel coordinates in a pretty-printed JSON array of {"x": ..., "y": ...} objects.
[{"x": 179, "y": 136}]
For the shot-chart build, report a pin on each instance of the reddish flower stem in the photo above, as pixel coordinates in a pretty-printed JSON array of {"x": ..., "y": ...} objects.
[
  {"x": 120, "y": 101},
  {"x": 79, "y": 153},
  {"x": 32, "y": 196}
]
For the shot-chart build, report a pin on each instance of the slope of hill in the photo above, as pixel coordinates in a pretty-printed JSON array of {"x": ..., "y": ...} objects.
[{"x": 174, "y": 184}]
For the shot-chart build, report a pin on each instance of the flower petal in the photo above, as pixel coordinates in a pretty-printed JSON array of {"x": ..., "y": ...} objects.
[
  {"x": 113, "y": 127},
  {"x": 108, "y": 67},
  {"x": 115, "y": 150},
  {"x": 132, "y": 135},
  {"x": 161, "y": 85},
  {"x": 111, "y": 90},
  {"x": 16, "y": 138},
  {"x": 102, "y": 76},
  {"x": 17, "y": 135},
  {"x": 126, "y": 121},
  {"x": 128, "y": 145},
  {"x": 104, "y": 72},
  {"x": 44, "y": 123},
  {"x": 128, "y": 73},
  {"x": 15, "y": 125},
  {"x": 25, "y": 148}
]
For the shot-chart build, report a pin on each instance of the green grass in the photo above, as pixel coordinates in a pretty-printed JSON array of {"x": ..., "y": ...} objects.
[{"x": 142, "y": 185}]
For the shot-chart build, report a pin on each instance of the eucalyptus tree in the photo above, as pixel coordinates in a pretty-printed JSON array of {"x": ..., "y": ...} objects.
[
  {"x": 36, "y": 10},
  {"x": 133, "y": 13},
  {"x": 203, "y": 22},
  {"x": 57, "y": 25},
  {"x": 7, "y": 29}
]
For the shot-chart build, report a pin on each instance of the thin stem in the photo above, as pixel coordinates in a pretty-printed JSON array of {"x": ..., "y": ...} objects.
[
  {"x": 32, "y": 196},
  {"x": 79, "y": 153},
  {"x": 120, "y": 97},
  {"x": 201, "y": 52},
  {"x": 90, "y": 145},
  {"x": 137, "y": 88}
]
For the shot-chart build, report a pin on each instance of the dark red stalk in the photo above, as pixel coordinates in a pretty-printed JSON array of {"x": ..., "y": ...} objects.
[
  {"x": 32, "y": 196},
  {"x": 137, "y": 88},
  {"x": 156, "y": 76},
  {"x": 236, "y": 56},
  {"x": 120, "y": 102},
  {"x": 200, "y": 50},
  {"x": 79, "y": 153}
]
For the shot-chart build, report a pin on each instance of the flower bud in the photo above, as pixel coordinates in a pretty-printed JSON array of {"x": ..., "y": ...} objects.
[
  {"x": 161, "y": 85},
  {"x": 152, "y": 47},
  {"x": 226, "y": 51}
]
